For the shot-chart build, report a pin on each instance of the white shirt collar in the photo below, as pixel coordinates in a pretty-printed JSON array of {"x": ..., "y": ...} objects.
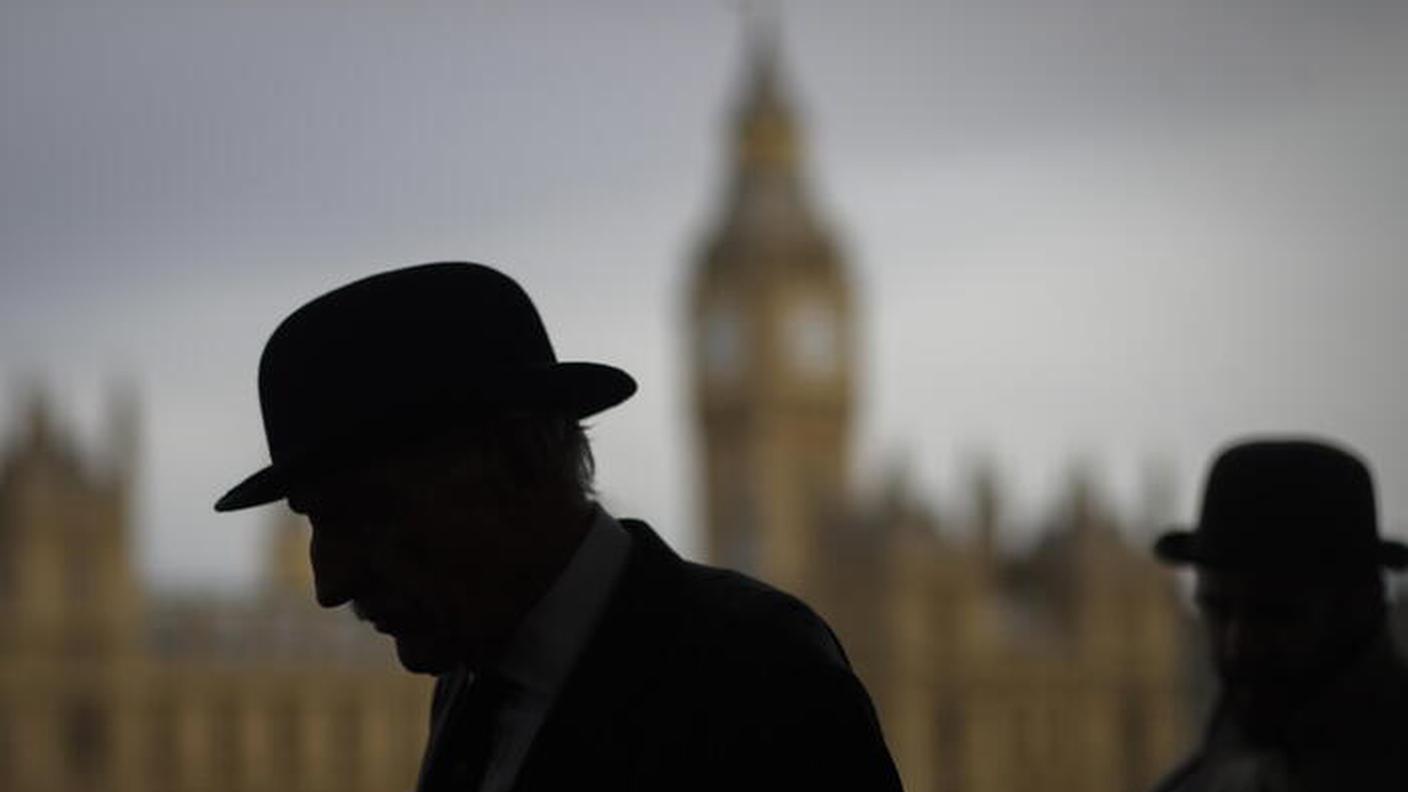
[{"x": 556, "y": 630}]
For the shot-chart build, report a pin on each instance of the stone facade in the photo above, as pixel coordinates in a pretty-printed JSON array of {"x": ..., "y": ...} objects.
[{"x": 104, "y": 686}]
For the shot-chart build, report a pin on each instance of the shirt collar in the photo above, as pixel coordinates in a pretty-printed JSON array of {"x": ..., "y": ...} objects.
[{"x": 556, "y": 630}]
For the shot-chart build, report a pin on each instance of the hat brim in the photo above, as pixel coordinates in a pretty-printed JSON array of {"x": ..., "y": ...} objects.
[
  {"x": 1182, "y": 547},
  {"x": 576, "y": 389},
  {"x": 265, "y": 486}
]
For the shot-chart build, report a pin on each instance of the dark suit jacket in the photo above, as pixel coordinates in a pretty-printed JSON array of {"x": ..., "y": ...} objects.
[
  {"x": 703, "y": 679},
  {"x": 1351, "y": 736}
]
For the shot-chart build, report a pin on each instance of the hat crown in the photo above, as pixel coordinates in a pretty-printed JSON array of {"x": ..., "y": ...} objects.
[
  {"x": 392, "y": 343},
  {"x": 1300, "y": 493}
]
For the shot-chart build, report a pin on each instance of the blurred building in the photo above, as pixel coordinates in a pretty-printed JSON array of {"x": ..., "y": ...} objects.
[
  {"x": 104, "y": 686},
  {"x": 1065, "y": 668}
]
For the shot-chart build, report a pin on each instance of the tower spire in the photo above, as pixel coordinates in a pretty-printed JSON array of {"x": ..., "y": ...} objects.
[
  {"x": 767, "y": 196},
  {"x": 766, "y": 131}
]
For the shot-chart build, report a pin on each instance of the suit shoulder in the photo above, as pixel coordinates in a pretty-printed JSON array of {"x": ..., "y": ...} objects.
[
  {"x": 758, "y": 619},
  {"x": 695, "y": 611}
]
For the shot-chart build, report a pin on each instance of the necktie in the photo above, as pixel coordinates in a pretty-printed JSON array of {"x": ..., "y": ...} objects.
[{"x": 468, "y": 739}]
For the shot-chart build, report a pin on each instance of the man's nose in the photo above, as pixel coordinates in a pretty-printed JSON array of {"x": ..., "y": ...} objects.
[{"x": 336, "y": 568}]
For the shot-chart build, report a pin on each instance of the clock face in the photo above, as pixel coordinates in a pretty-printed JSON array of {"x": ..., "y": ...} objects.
[
  {"x": 723, "y": 342},
  {"x": 813, "y": 339}
]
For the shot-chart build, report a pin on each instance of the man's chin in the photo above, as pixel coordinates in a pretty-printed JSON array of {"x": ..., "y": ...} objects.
[{"x": 421, "y": 656}]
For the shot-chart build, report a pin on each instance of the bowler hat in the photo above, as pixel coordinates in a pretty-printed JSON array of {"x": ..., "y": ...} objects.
[
  {"x": 399, "y": 356},
  {"x": 1289, "y": 504}
]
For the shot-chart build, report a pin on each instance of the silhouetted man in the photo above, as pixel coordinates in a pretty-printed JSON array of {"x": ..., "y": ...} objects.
[
  {"x": 420, "y": 419},
  {"x": 1289, "y": 564}
]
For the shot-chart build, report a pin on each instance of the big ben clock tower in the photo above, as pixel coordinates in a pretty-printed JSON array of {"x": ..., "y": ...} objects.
[{"x": 772, "y": 351}]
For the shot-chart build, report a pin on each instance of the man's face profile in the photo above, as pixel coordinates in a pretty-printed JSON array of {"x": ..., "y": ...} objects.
[
  {"x": 417, "y": 552},
  {"x": 1279, "y": 638},
  {"x": 1266, "y": 630}
]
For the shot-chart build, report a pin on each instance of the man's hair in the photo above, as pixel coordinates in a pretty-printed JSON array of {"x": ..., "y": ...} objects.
[
  {"x": 525, "y": 456},
  {"x": 545, "y": 453}
]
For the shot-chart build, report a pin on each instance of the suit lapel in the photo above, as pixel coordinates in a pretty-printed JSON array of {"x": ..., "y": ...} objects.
[
  {"x": 447, "y": 690},
  {"x": 609, "y": 682}
]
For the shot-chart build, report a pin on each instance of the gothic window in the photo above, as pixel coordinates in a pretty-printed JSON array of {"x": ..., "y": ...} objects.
[
  {"x": 949, "y": 756},
  {"x": 7, "y": 556},
  {"x": 85, "y": 739},
  {"x": 741, "y": 528},
  {"x": 1135, "y": 733},
  {"x": 743, "y": 552},
  {"x": 7, "y": 751},
  {"x": 162, "y": 756},
  {"x": 347, "y": 743},
  {"x": 287, "y": 729},
  {"x": 227, "y": 744},
  {"x": 80, "y": 574}
]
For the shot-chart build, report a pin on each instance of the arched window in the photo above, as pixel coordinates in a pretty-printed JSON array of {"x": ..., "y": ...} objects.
[
  {"x": 85, "y": 726},
  {"x": 286, "y": 727},
  {"x": 347, "y": 749},
  {"x": 162, "y": 757},
  {"x": 8, "y": 773},
  {"x": 227, "y": 743}
]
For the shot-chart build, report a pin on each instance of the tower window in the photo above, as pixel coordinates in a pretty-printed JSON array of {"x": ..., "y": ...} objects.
[
  {"x": 813, "y": 339},
  {"x": 723, "y": 341}
]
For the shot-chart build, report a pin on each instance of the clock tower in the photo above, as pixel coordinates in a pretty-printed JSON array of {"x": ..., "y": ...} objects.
[{"x": 772, "y": 351}]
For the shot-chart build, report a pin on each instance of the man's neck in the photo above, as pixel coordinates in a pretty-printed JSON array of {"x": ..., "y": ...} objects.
[
  {"x": 554, "y": 533},
  {"x": 547, "y": 539}
]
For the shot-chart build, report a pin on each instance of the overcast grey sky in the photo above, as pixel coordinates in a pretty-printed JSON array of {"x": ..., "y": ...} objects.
[{"x": 1084, "y": 231}]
